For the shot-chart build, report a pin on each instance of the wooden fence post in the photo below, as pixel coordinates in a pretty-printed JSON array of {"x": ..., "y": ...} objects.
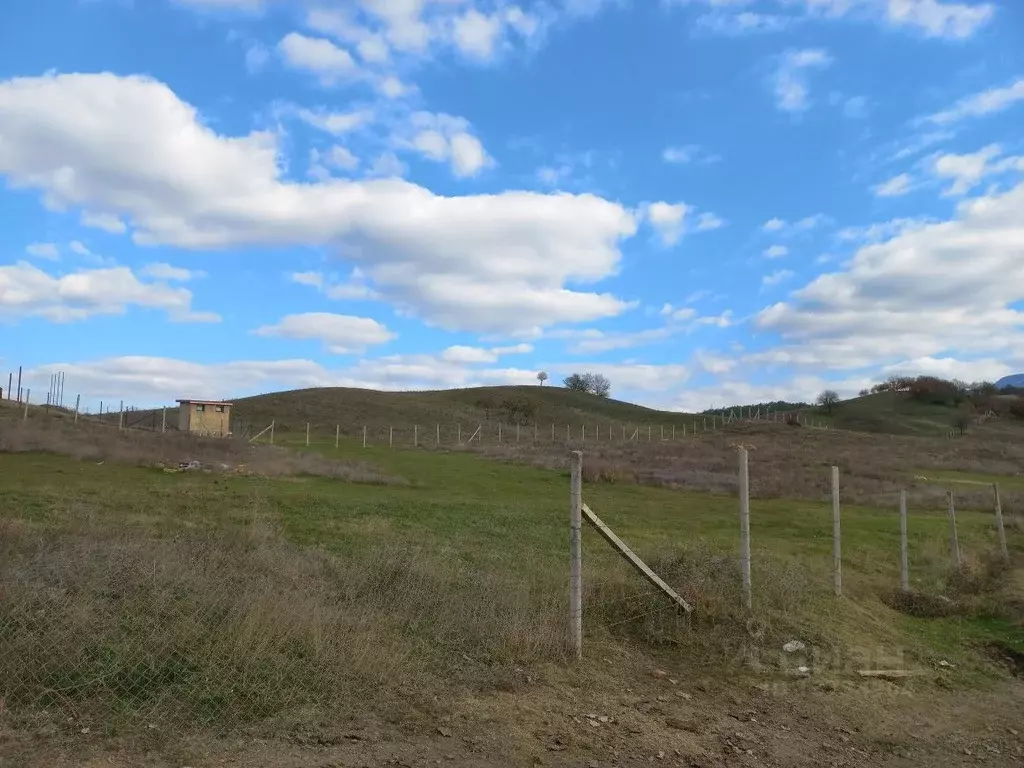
[
  {"x": 575, "y": 555},
  {"x": 78, "y": 401},
  {"x": 415, "y": 435},
  {"x": 120, "y": 417},
  {"x": 499, "y": 431},
  {"x": 459, "y": 435},
  {"x": 307, "y": 434},
  {"x": 745, "y": 529},
  {"x": 904, "y": 556},
  {"x": 364, "y": 436},
  {"x": 517, "y": 431},
  {"x": 999, "y": 524},
  {"x": 163, "y": 417},
  {"x": 568, "y": 434},
  {"x": 648, "y": 433},
  {"x": 391, "y": 436},
  {"x": 954, "y": 542},
  {"x": 28, "y": 394},
  {"x": 437, "y": 428},
  {"x": 583, "y": 432},
  {"x": 837, "y": 546},
  {"x": 272, "y": 423},
  {"x": 337, "y": 434}
]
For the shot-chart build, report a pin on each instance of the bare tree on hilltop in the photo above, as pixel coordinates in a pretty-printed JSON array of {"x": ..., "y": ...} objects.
[
  {"x": 593, "y": 383},
  {"x": 542, "y": 377}
]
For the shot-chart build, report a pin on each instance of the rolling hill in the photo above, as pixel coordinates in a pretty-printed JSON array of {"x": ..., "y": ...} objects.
[{"x": 352, "y": 409}]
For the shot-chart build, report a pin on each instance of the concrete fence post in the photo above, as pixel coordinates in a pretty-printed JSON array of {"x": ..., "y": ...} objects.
[
  {"x": 837, "y": 546},
  {"x": 576, "y": 554},
  {"x": 28, "y": 394},
  {"x": 999, "y": 523},
  {"x": 954, "y": 542},
  {"x": 163, "y": 417},
  {"x": 307, "y": 434},
  {"x": 78, "y": 402},
  {"x": 745, "y": 529},
  {"x": 904, "y": 556},
  {"x": 337, "y": 434}
]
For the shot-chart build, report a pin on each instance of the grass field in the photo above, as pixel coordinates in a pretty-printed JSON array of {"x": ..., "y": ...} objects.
[{"x": 135, "y": 594}]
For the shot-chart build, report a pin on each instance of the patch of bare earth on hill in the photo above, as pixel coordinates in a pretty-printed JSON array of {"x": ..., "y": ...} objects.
[
  {"x": 646, "y": 721},
  {"x": 787, "y": 462}
]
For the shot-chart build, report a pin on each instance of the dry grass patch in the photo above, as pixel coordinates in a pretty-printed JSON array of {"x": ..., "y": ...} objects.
[{"x": 91, "y": 441}]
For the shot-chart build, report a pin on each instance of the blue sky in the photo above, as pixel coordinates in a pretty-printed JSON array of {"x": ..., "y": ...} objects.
[{"x": 708, "y": 201}]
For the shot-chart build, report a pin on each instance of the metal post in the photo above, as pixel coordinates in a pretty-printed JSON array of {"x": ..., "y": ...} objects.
[
  {"x": 745, "y": 529},
  {"x": 19, "y": 384},
  {"x": 575, "y": 555},
  {"x": 954, "y": 542},
  {"x": 837, "y": 547},
  {"x": 904, "y": 557},
  {"x": 999, "y": 523}
]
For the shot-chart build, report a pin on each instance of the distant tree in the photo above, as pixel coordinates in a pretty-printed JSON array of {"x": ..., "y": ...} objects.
[
  {"x": 1017, "y": 409},
  {"x": 864, "y": 393},
  {"x": 598, "y": 384},
  {"x": 542, "y": 376},
  {"x": 593, "y": 383},
  {"x": 575, "y": 382},
  {"x": 828, "y": 399}
]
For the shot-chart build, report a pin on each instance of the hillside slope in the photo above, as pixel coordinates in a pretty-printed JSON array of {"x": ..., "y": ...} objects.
[{"x": 354, "y": 408}]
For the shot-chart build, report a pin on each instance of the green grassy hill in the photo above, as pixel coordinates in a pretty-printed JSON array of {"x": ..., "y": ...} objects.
[{"x": 354, "y": 408}]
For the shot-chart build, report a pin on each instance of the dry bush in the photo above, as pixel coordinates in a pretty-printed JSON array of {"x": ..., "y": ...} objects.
[
  {"x": 88, "y": 441},
  {"x": 241, "y": 626},
  {"x": 792, "y": 464},
  {"x": 719, "y": 632}
]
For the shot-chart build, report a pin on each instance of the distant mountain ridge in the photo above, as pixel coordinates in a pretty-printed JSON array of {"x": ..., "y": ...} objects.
[{"x": 1015, "y": 380}]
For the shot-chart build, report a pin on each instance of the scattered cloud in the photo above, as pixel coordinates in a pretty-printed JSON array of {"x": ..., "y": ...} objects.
[
  {"x": 444, "y": 138},
  {"x": 104, "y": 221},
  {"x": 968, "y": 170},
  {"x": 162, "y": 271},
  {"x": 742, "y": 23},
  {"x": 48, "y": 251},
  {"x": 789, "y": 82},
  {"x": 986, "y": 102},
  {"x": 776, "y": 277},
  {"x": 775, "y": 252},
  {"x": 689, "y": 153},
  {"x": 708, "y": 221},
  {"x": 668, "y": 220},
  {"x": 894, "y": 187},
  {"x": 337, "y": 123},
  {"x": 773, "y": 225},
  {"x": 939, "y": 19},
  {"x": 340, "y": 334},
  {"x": 931, "y": 290},
  {"x": 318, "y": 56},
  {"x": 27, "y": 291}
]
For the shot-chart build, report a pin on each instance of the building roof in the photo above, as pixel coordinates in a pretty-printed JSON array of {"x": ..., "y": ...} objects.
[{"x": 206, "y": 402}]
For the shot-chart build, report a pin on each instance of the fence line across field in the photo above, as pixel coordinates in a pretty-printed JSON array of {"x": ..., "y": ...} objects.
[{"x": 580, "y": 513}]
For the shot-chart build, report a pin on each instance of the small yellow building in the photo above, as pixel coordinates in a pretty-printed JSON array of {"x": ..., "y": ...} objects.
[{"x": 205, "y": 417}]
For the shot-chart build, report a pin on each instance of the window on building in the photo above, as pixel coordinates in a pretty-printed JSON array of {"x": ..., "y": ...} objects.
[
  {"x": 200, "y": 408},
  {"x": 219, "y": 408}
]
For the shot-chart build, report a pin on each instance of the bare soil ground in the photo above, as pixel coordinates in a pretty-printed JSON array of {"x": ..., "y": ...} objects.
[{"x": 655, "y": 722}]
